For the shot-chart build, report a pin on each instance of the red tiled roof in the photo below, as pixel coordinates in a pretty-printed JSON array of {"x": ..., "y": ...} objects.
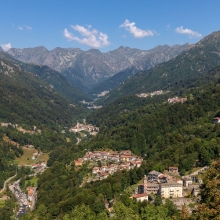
[{"x": 139, "y": 195}]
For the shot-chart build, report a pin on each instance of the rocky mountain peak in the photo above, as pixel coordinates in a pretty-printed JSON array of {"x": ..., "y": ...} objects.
[
  {"x": 211, "y": 38},
  {"x": 87, "y": 68}
]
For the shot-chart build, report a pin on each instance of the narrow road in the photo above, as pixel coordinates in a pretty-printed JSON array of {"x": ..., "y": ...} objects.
[
  {"x": 197, "y": 172},
  {"x": 78, "y": 140},
  {"x": 6, "y": 181}
]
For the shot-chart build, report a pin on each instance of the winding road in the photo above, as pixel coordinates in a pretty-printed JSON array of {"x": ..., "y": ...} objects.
[
  {"x": 78, "y": 141},
  {"x": 5, "y": 183}
]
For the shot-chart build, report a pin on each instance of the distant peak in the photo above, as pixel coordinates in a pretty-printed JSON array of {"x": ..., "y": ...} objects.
[{"x": 94, "y": 50}]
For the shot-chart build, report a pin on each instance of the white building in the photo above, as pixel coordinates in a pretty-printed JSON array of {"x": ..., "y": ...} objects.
[
  {"x": 140, "y": 197},
  {"x": 168, "y": 190}
]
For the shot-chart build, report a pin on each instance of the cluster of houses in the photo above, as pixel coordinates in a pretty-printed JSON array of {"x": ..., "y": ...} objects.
[
  {"x": 144, "y": 95},
  {"x": 39, "y": 165},
  {"x": 103, "y": 93},
  {"x": 91, "y": 105},
  {"x": 84, "y": 127},
  {"x": 123, "y": 160},
  {"x": 39, "y": 168},
  {"x": 176, "y": 99},
  {"x": 167, "y": 185}
]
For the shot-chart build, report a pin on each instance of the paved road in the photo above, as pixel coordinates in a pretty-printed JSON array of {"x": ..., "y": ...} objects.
[{"x": 5, "y": 183}]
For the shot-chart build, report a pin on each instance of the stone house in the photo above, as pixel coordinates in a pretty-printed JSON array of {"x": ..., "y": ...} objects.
[
  {"x": 187, "y": 181},
  {"x": 153, "y": 176}
]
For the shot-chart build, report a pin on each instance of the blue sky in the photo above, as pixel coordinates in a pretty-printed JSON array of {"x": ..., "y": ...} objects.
[{"x": 105, "y": 24}]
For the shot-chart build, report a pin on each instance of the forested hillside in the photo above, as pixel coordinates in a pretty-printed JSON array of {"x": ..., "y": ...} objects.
[
  {"x": 165, "y": 134},
  {"x": 27, "y": 100},
  {"x": 191, "y": 64},
  {"x": 51, "y": 77},
  {"x": 31, "y": 113}
]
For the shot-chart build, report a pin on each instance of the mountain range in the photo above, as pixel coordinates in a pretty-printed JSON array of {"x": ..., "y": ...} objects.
[
  {"x": 190, "y": 64},
  {"x": 53, "y": 78},
  {"x": 88, "y": 68},
  {"x": 162, "y": 133}
]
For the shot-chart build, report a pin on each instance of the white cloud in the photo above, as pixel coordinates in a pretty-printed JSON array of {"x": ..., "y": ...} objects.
[
  {"x": 90, "y": 37},
  {"x": 190, "y": 33},
  {"x": 28, "y": 27},
  {"x": 138, "y": 33},
  {"x": 6, "y": 47},
  {"x": 22, "y": 27}
]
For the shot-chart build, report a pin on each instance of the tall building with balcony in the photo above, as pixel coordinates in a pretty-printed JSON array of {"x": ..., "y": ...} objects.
[{"x": 170, "y": 190}]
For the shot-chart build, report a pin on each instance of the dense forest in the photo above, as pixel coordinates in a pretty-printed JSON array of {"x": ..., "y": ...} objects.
[
  {"x": 165, "y": 134},
  {"x": 27, "y": 100}
]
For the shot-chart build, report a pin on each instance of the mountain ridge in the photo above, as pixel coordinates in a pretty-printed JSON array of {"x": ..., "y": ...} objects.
[
  {"x": 160, "y": 54},
  {"x": 26, "y": 99},
  {"x": 83, "y": 68},
  {"x": 50, "y": 76},
  {"x": 193, "y": 63}
]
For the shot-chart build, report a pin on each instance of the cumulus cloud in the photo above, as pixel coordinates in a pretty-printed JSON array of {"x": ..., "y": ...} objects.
[
  {"x": 190, "y": 33},
  {"x": 90, "y": 37},
  {"x": 138, "y": 33},
  {"x": 6, "y": 47}
]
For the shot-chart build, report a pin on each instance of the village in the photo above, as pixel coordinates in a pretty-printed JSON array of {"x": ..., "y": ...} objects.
[
  {"x": 168, "y": 184},
  {"x": 176, "y": 100},
  {"x": 91, "y": 105},
  {"x": 144, "y": 95},
  {"x": 110, "y": 162},
  {"x": 84, "y": 127}
]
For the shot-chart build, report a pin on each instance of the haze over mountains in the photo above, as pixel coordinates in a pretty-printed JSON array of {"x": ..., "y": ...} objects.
[{"x": 88, "y": 68}]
